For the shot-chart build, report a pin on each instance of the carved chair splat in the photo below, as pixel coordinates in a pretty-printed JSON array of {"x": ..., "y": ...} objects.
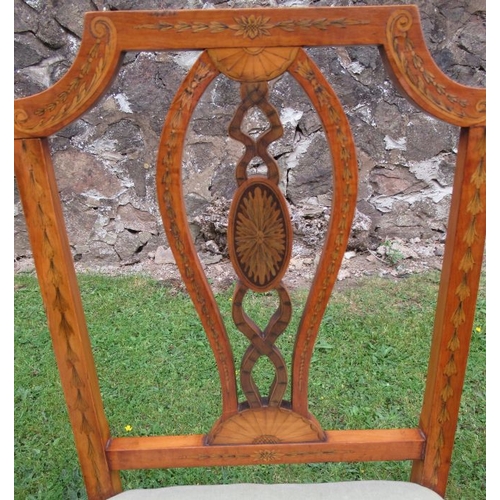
[{"x": 254, "y": 46}]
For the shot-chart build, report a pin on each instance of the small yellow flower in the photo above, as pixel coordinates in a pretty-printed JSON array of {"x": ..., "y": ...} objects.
[
  {"x": 478, "y": 329},
  {"x": 128, "y": 428}
]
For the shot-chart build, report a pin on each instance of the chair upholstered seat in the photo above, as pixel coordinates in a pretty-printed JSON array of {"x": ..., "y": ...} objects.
[{"x": 348, "y": 490}]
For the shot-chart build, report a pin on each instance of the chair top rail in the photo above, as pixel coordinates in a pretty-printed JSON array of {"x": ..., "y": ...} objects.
[{"x": 108, "y": 35}]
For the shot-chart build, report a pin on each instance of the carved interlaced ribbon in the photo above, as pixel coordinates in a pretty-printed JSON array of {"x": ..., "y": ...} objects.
[
  {"x": 262, "y": 343},
  {"x": 259, "y": 239},
  {"x": 255, "y": 95}
]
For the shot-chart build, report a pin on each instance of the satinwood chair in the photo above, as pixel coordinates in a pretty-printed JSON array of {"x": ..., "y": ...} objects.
[{"x": 252, "y": 47}]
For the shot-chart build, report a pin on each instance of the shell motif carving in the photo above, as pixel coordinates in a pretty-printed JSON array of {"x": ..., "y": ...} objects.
[
  {"x": 266, "y": 426},
  {"x": 253, "y": 64},
  {"x": 259, "y": 234}
]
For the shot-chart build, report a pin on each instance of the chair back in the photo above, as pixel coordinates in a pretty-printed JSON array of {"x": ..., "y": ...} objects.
[{"x": 254, "y": 47}]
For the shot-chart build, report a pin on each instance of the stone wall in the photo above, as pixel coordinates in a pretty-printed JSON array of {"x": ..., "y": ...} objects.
[{"x": 105, "y": 162}]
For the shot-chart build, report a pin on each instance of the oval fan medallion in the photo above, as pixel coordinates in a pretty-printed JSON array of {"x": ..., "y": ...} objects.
[{"x": 259, "y": 234}]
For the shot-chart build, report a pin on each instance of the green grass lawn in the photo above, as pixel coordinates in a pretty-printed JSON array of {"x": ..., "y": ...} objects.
[{"x": 158, "y": 376}]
